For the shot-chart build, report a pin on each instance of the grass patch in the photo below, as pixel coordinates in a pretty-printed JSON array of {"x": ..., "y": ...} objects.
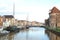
[
  {"x": 54, "y": 29},
  {"x": 57, "y": 29}
]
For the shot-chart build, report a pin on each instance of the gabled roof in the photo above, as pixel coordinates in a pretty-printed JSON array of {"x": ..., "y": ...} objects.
[
  {"x": 8, "y": 16},
  {"x": 54, "y": 10}
]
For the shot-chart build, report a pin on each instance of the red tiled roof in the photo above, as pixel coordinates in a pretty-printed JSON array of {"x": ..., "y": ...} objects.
[{"x": 54, "y": 10}]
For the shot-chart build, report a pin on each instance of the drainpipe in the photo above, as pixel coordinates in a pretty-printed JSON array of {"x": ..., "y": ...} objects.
[{"x": 56, "y": 21}]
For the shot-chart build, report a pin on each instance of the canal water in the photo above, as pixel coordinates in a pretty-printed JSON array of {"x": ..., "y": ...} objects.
[{"x": 33, "y": 33}]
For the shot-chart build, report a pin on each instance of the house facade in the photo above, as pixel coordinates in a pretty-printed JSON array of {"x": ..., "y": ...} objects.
[
  {"x": 1, "y": 21},
  {"x": 54, "y": 17},
  {"x": 34, "y": 23},
  {"x": 8, "y": 20}
]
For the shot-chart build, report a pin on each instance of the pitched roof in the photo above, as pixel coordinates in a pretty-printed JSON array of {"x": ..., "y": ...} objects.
[
  {"x": 8, "y": 16},
  {"x": 54, "y": 10}
]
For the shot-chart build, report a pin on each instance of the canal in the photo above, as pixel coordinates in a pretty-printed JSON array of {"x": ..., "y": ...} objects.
[{"x": 33, "y": 33}]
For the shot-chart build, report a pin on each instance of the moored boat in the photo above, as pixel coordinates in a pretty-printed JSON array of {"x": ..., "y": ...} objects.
[
  {"x": 13, "y": 29},
  {"x": 4, "y": 32}
]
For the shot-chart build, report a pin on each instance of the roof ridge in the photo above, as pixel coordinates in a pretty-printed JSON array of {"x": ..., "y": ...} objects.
[{"x": 55, "y": 10}]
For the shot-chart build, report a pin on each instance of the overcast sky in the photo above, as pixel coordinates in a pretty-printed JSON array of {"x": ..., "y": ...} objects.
[{"x": 36, "y": 9}]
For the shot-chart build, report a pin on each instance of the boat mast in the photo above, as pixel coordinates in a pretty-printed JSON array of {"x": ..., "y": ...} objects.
[
  {"x": 13, "y": 8},
  {"x": 13, "y": 11},
  {"x": 27, "y": 20},
  {"x": 27, "y": 26}
]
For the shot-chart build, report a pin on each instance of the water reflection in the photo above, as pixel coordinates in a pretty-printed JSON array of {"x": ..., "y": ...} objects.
[
  {"x": 52, "y": 36},
  {"x": 3, "y": 37},
  {"x": 11, "y": 36},
  {"x": 33, "y": 33}
]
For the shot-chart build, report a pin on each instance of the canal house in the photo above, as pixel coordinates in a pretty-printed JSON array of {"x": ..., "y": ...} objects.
[
  {"x": 8, "y": 20},
  {"x": 54, "y": 18},
  {"x": 1, "y": 23},
  {"x": 35, "y": 23}
]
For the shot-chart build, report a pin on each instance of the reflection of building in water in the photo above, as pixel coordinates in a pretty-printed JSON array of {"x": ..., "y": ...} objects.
[
  {"x": 4, "y": 37},
  {"x": 53, "y": 36},
  {"x": 8, "y": 37},
  {"x": 11, "y": 36}
]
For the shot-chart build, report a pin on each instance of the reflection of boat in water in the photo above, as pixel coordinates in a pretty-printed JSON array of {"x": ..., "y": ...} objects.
[
  {"x": 4, "y": 32},
  {"x": 27, "y": 26}
]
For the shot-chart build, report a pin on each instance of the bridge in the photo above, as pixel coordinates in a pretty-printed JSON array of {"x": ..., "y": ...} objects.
[
  {"x": 27, "y": 26},
  {"x": 35, "y": 26}
]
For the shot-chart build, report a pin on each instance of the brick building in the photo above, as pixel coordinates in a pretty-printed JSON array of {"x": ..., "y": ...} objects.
[
  {"x": 1, "y": 21},
  {"x": 54, "y": 17}
]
